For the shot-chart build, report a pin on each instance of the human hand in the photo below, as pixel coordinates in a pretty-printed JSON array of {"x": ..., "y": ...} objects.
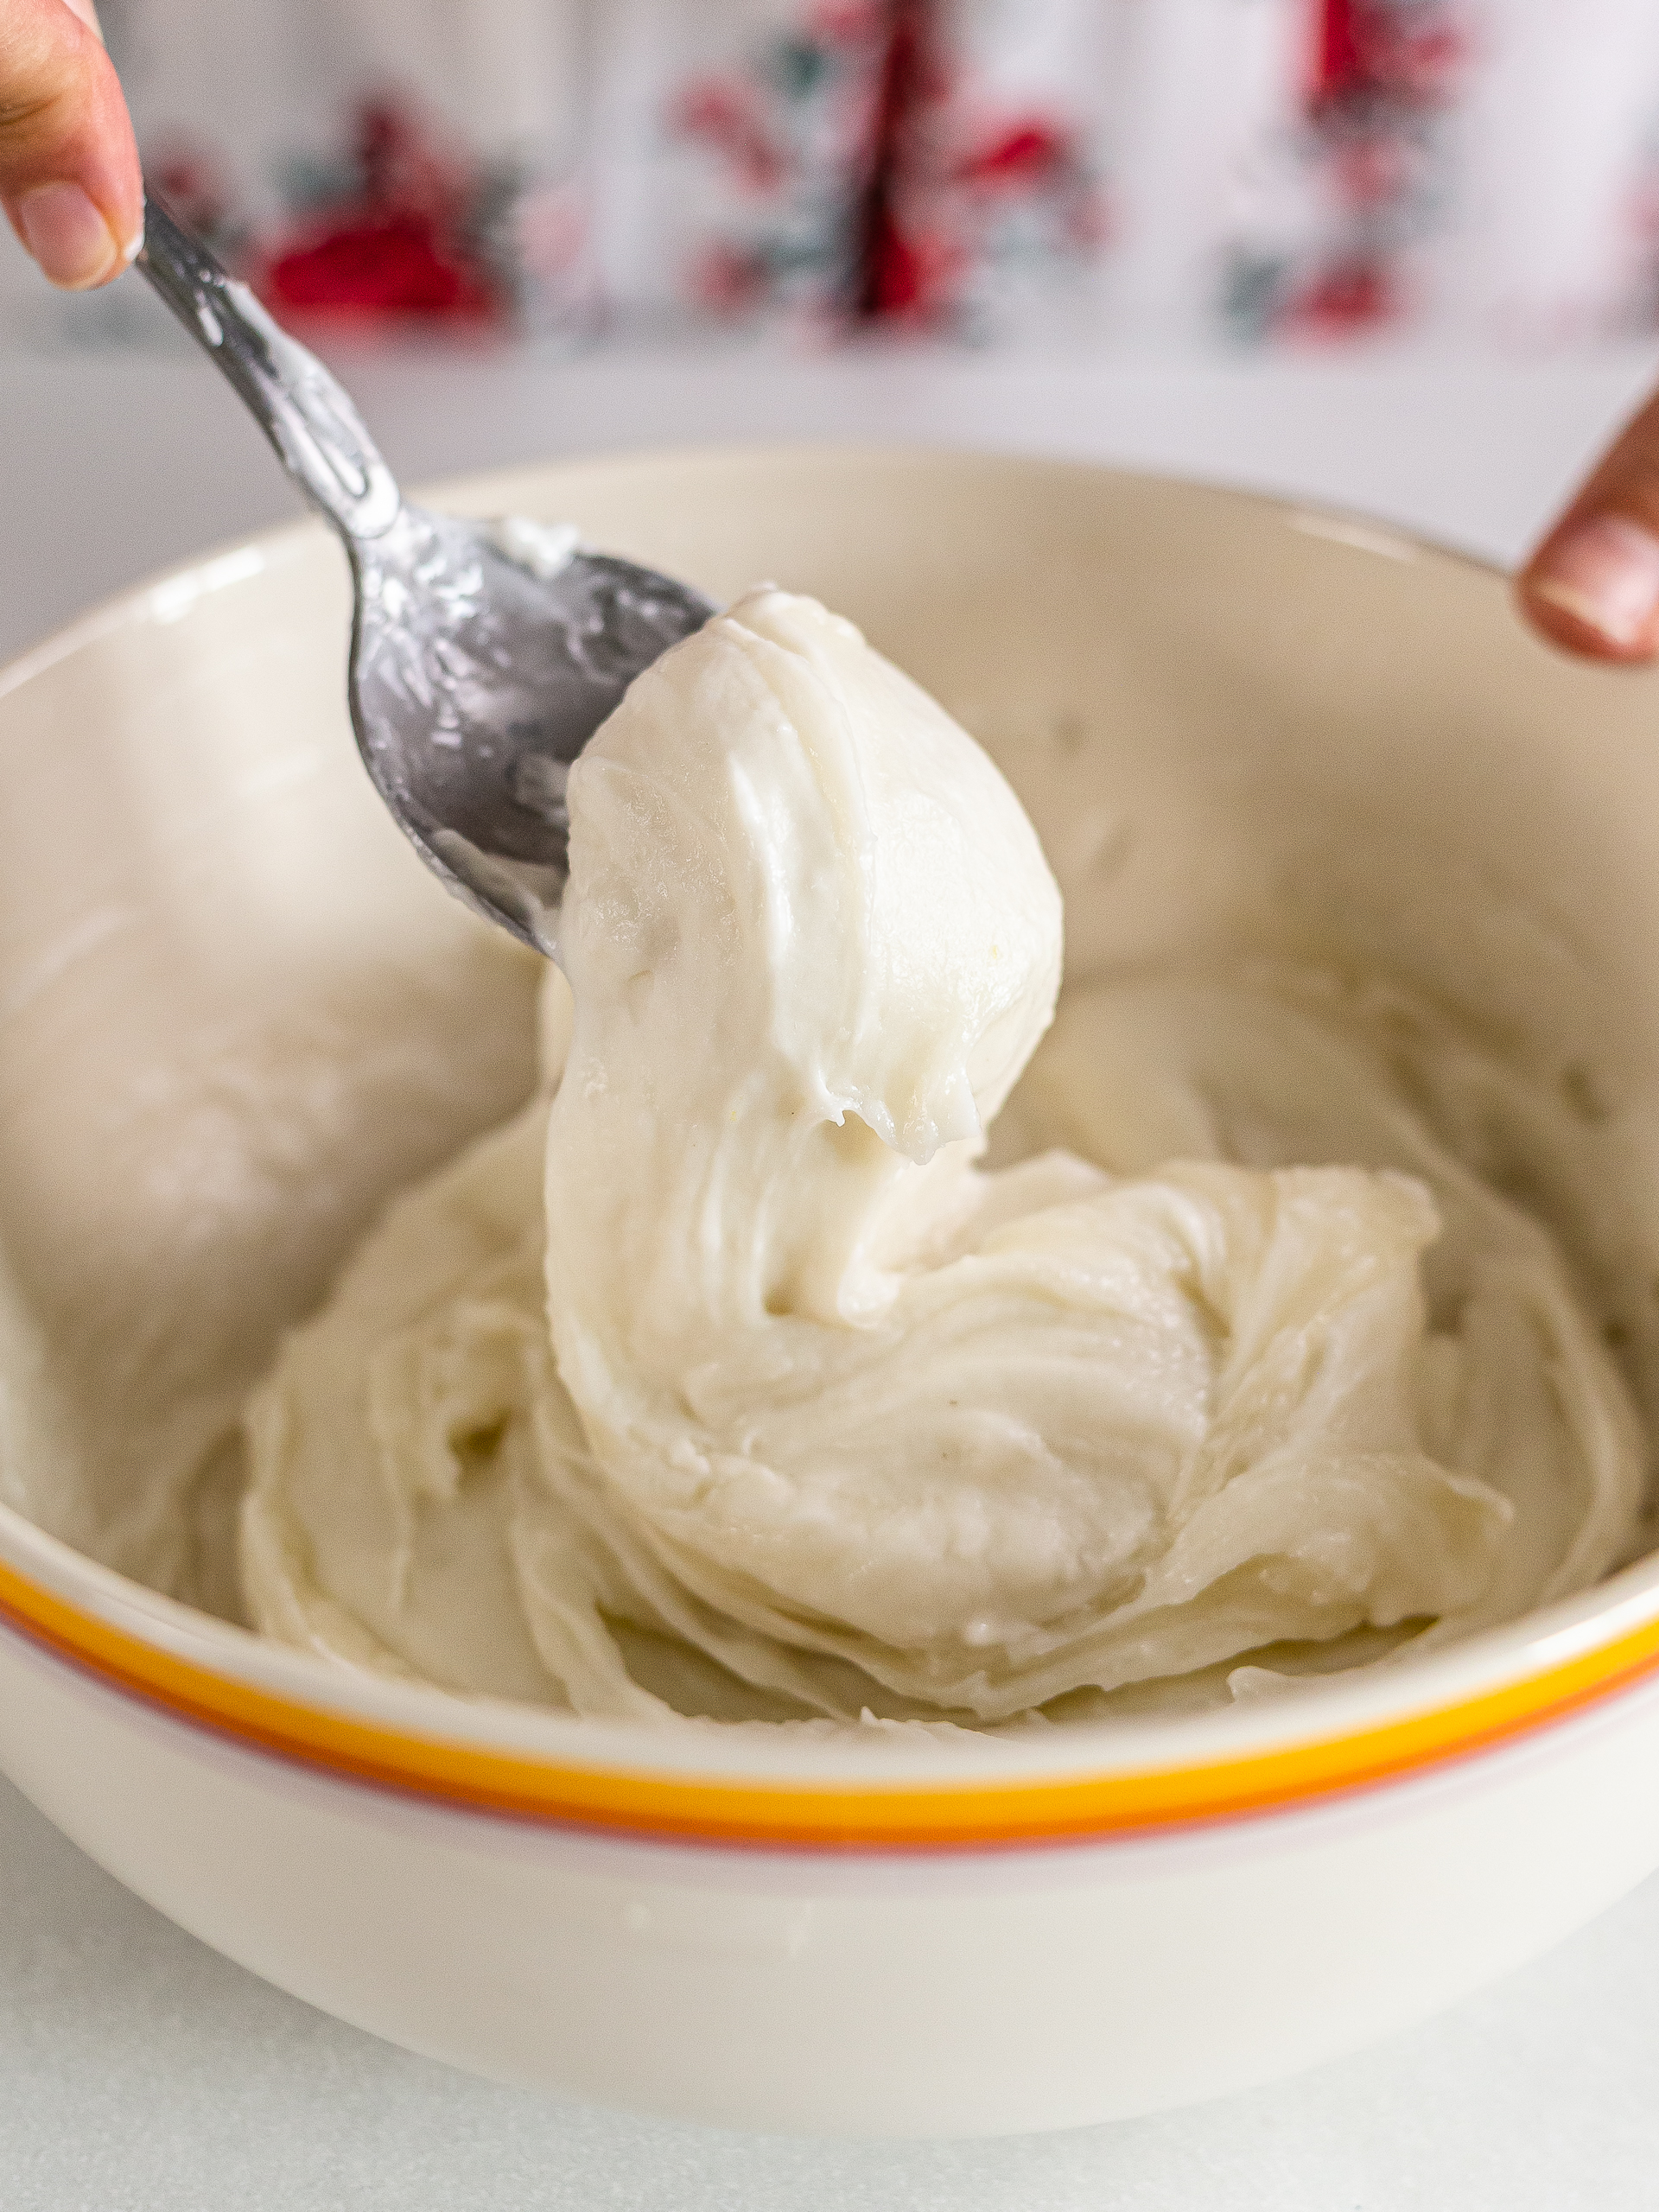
[
  {"x": 69, "y": 177},
  {"x": 1593, "y": 584}
]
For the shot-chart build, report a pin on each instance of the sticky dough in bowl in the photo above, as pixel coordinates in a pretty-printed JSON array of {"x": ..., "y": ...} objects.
[{"x": 236, "y": 1015}]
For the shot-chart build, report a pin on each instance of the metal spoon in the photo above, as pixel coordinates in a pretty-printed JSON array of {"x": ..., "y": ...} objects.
[{"x": 484, "y": 656}]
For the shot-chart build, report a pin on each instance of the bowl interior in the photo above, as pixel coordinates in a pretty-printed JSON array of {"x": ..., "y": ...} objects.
[{"x": 236, "y": 1011}]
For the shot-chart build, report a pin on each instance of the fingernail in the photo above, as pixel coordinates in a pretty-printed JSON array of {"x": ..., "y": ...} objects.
[
  {"x": 1606, "y": 575},
  {"x": 67, "y": 235}
]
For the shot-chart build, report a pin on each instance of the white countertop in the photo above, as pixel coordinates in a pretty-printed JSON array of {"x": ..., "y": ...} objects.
[{"x": 139, "y": 2072}]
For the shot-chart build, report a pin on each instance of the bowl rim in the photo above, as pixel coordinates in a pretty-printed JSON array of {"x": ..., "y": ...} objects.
[{"x": 811, "y": 1786}]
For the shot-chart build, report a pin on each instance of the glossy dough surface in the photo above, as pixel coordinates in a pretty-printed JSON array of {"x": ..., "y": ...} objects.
[{"x": 729, "y": 1380}]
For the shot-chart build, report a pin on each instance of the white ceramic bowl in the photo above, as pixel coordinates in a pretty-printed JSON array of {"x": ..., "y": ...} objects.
[{"x": 774, "y": 1934}]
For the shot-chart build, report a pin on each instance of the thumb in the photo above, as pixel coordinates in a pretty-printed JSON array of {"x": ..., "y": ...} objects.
[
  {"x": 69, "y": 176},
  {"x": 1592, "y": 585}
]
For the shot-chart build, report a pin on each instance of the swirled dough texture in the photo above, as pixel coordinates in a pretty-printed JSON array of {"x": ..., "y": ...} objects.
[{"x": 727, "y": 1382}]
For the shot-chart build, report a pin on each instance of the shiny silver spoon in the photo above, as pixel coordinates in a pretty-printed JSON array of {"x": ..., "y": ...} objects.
[{"x": 484, "y": 656}]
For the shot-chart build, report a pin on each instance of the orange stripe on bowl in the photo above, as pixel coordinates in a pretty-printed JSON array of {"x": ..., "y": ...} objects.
[{"x": 944, "y": 1817}]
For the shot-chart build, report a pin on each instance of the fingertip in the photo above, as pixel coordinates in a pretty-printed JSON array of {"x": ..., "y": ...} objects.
[
  {"x": 70, "y": 182},
  {"x": 66, "y": 231},
  {"x": 1593, "y": 588}
]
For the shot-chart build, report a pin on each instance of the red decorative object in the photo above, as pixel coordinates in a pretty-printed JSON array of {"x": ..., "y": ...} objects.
[
  {"x": 1383, "y": 73},
  {"x": 940, "y": 167},
  {"x": 1354, "y": 296},
  {"x": 1026, "y": 152},
  {"x": 1413, "y": 51},
  {"x": 729, "y": 116},
  {"x": 726, "y": 282},
  {"x": 1339, "y": 50},
  {"x": 403, "y": 244},
  {"x": 890, "y": 270},
  {"x": 873, "y": 176}
]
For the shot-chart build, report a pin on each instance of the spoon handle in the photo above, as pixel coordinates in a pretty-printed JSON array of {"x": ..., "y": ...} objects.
[{"x": 319, "y": 436}]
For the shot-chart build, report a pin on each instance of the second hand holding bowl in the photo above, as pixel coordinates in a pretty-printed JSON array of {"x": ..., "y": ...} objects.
[{"x": 484, "y": 655}]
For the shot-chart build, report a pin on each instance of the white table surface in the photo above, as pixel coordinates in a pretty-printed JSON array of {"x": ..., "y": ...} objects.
[{"x": 141, "y": 2073}]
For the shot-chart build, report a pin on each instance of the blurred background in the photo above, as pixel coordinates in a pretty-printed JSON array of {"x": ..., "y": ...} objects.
[
  {"x": 994, "y": 173},
  {"x": 1395, "y": 255}
]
